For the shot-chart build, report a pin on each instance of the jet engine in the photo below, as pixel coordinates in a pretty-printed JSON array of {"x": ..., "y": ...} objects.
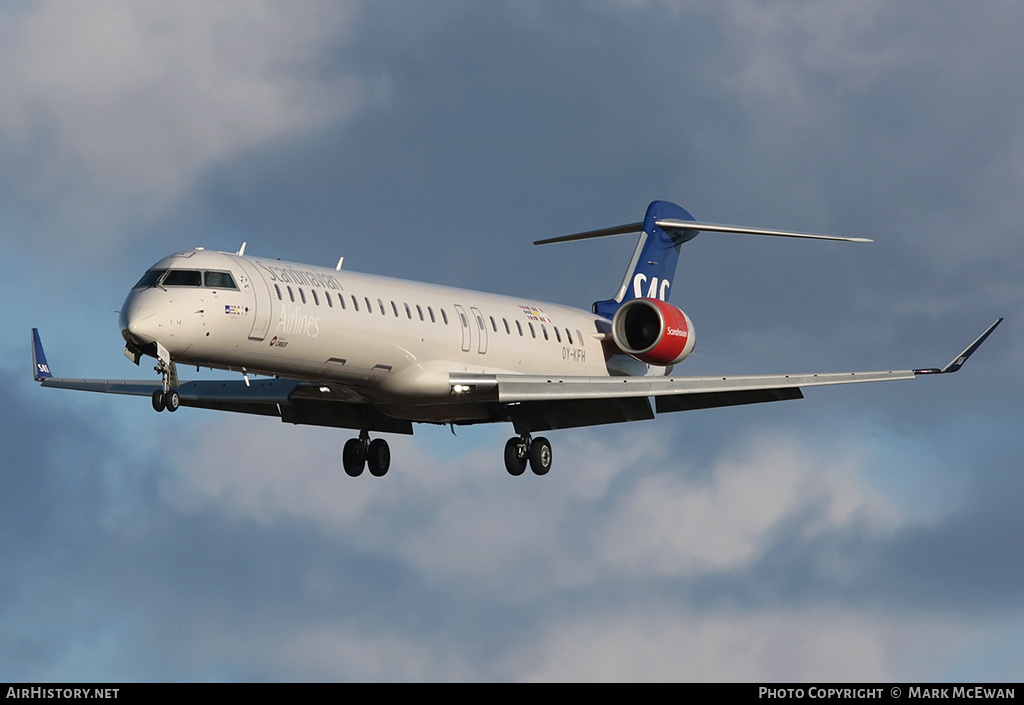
[{"x": 653, "y": 331}]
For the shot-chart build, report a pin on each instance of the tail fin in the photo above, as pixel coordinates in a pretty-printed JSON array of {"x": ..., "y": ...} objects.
[
  {"x": 653, "y": 265},
  {"x": 666, "y": 226}
]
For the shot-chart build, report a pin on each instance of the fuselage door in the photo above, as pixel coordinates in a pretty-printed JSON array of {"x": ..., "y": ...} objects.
[
  {"x": 467, "y": 331},
  {"x": 254, "y": 281},
  {"x": 478, "y": 321}
]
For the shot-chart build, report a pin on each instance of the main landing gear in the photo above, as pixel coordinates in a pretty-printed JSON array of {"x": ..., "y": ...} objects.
[
  {"x": 362, "y": 452},
  {"x": 520, "y": 449}
]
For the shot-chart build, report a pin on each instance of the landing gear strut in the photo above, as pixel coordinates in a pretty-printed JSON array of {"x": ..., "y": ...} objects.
[
  {"x": 362, "y": 452},
  {"x": 520, "y": 449},
  {"x": 168, "y": 397}
]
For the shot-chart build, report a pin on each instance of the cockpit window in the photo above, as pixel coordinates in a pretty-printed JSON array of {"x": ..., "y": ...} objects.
[
  {"x": 149, "y": 279},
  {"x": 183, "y": 277},
  {"x": 219, "y": 280}
]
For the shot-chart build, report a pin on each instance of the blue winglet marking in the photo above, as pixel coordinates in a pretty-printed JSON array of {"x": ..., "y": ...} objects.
[{"x": 40, "y": 368}]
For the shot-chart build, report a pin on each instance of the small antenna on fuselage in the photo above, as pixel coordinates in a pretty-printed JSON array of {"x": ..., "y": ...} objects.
[
  {"x": 338, "y": 268},
  {"x": 241, "y": 250}
]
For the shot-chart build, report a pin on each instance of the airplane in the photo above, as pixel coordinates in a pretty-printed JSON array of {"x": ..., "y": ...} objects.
[{"x": 375, "y": 354}]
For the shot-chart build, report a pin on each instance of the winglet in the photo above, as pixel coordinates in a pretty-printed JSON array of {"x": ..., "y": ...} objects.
[
  {"x": 40, "y": 370},
  {"x": 960, "y": 359}
]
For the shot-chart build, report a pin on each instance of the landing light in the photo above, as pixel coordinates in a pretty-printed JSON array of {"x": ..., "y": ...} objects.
[
  {"x": 325, "y": 390},
  {"x": 462, "y": 388}
]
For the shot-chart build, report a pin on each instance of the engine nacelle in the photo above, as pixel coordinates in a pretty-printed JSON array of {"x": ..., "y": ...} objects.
[{"x": 653, "y": 331}]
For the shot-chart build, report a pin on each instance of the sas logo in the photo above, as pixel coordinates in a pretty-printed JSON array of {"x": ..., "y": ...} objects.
[
  {"x": 234, "y": 310},
  {"x": 656, "y": 290}
]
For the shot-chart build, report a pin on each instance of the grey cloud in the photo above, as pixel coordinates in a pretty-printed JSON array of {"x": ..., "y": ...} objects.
[{"x": 237, "y": 550}]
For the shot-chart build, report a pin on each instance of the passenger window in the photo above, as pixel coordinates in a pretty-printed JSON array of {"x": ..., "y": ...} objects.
[
  {"x": 330, "y": 303},
  {"x": 219, "y": 280},
  {"x": 533, "y": 333},
  {"x": 316, "y": 299},
  {"x": 302, "y": 295},
  {"x": 508, "y": 331},
  {"x": 519, "y": 327},
  {"x": 444, "y": 316},
  {"x": 150, "y": 278},
  {"x": 278, "y": 290},
  {"x": 430, "y": 310},
  {"x": 419, "y": 310},
  {"x": 579, "y": 336},
  {"x": 480, "y": 322},
  {"x": 369, "y": 306},
  {"x": 183, "y": 277},
  {"x": 291, "y": 294},
  {"x": 394, "y": 307},
  {"x": 355, "y": 302},
  {"x": 558, "y": 336},
  {"x": 341, "y": 300},
  {"x": 493, "y": 324},
  {"x": 544, "y": 330},
  {"x": 381, "y": 305},
  {"x": 568, "y": 335},
  {"x": 408, "y": 311},
  {"x": 465, "y": 323}
]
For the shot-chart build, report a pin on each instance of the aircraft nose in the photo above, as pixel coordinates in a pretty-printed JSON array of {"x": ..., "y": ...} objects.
[{"x": 136, "y": 324}]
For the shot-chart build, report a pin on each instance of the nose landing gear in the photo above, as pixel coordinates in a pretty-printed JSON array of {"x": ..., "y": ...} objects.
[
  {"x": 168, "y": 397},
  {"x": 169, "y": 400}
]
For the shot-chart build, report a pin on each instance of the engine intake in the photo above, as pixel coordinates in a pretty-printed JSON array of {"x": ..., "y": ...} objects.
[{"x": 653, "y": 331}]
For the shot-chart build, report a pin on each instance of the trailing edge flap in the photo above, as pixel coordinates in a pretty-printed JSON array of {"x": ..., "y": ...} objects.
[{"x": 523, "y": 388}]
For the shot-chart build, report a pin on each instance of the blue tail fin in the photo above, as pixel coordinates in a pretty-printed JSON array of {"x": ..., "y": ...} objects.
[{"x": 654, "y": 260}]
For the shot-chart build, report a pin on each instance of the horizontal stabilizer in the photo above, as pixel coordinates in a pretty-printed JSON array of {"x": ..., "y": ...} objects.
[
  {"x": 590, "y": 234},
  {"x": 717, "y": 228},
  {"x": 672, "y": 224}
]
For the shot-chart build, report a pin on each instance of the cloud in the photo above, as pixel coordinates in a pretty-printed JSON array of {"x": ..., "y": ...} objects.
[
  {"x": 606, "y": 512},
  {"x": 113, "y": 110},
  {"x": 863, "y": 533},
  {"x": 671, "y": 524},
  {"x": 665, "y": 643}
]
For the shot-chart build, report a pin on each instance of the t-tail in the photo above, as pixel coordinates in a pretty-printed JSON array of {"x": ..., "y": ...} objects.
[
  {"x": 664, "y": 229},
  {"x": 653, "y": 265}
]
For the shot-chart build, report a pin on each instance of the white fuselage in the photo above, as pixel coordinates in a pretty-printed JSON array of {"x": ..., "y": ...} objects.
[{"x": 389, "y": 340}]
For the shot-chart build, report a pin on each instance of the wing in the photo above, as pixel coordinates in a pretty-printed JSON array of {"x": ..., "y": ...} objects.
[
  {"x": 530, "y": 402},
  {"x": 538, "y": 403},
  {"x": 291, "y": 400}
]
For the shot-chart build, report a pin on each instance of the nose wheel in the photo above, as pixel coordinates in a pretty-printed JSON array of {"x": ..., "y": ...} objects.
[
  {"x": 167, "y": 397},
  {"x": 522, "y": 449},
  {"x": 360, "y": 453},
  {"x": 169, "y": 400}
]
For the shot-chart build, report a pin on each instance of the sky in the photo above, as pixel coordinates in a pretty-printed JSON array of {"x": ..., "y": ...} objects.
[{"x": 864, "y": 533}]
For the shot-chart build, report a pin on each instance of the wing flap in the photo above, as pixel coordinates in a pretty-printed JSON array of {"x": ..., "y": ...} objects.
[
  {"x": 524, "y": 388},
  {"x": 714, "y": 400},
  {"x": 572, "y": 413}
]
